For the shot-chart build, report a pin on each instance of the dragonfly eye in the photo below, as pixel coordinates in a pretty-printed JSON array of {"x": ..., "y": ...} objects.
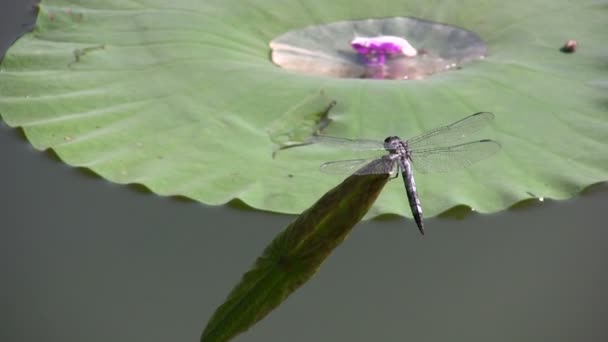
[
  {"x": 391, "y": 143},
  {"x": 390, "y": 139}
]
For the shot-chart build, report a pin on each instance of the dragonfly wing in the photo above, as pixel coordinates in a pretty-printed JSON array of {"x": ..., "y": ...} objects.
[
  {"x": 452, "y": 133},
  {"x": 384, "y": 165},
  {"x": 359, "y": 166},
  {"x": 444, "y": 159},
  {"x": 349, "y": 144}
]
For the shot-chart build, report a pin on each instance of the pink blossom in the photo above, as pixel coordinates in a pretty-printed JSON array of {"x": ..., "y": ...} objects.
[{"x": 375, "y": 49}]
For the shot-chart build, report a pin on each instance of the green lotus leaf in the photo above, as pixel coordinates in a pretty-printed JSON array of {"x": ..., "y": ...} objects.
[{"x": 183, "y": 98}]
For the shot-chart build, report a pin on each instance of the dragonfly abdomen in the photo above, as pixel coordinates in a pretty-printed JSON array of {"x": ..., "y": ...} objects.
[{"x": 412, "y": 194}]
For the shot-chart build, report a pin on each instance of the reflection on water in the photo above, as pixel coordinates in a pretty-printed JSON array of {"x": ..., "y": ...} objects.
[{"x": 411, "y": 68}]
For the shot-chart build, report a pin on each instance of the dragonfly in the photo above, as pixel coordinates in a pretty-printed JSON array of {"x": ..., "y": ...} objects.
[{"x": 438, "y": 150}]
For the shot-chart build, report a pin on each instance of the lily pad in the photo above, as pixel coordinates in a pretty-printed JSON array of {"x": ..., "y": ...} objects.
[{"x": 183, "y": 98}]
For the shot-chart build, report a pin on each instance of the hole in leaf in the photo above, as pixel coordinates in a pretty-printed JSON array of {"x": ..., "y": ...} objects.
[{"x": 377, "y": 48}]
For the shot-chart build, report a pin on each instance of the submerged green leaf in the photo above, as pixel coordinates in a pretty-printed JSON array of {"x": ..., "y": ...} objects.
[
  {"x": 182, "y": 97},
  {"x": 294, "y": 256},
  {"x": 301, "y": 121}
]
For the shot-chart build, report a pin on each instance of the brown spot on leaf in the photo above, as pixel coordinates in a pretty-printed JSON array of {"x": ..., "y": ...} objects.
[{"x": 569, "y": 47}]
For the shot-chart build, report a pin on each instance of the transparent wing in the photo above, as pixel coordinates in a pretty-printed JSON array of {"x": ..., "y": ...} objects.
[
  {"x": 444, "y": 159},
  {"x": 350, "y": 144},
  {"x": 360, "y": 166},
  {"x": 452, "y": 133}
]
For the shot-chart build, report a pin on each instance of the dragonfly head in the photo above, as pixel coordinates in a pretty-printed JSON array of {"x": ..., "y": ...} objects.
[{"x": 392, "y": 143}]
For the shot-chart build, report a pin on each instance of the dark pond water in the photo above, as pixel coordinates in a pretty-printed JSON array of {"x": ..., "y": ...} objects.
[{"x": 86, "y": 260}]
